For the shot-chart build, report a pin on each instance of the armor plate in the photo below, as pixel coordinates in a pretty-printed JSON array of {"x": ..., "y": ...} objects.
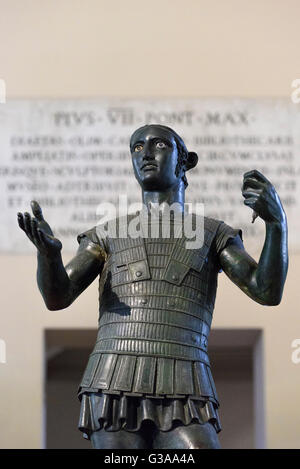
[{"x": 156, "y": 304}]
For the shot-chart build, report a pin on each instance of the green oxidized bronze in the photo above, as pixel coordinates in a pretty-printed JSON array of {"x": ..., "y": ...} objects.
[{"x": 148, "y": 382}]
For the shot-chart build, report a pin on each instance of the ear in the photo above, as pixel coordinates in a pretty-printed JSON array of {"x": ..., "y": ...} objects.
[{"x": 191, "y": 161}]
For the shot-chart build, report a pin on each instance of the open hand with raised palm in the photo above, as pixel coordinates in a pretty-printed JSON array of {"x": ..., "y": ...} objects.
[{"x": 39, "y": 232}]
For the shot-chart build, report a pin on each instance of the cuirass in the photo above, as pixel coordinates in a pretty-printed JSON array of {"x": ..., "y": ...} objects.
[{"x": 156, "y": 302}]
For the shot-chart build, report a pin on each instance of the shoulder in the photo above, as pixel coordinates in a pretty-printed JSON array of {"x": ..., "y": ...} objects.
[
  {"x": 93, "y": 239},
  {"x": 225, "y": 234},
  {"x": 210, "y": 225},
  {"x": 90, "y": 234},
  {"x": 217, "y": 231}
]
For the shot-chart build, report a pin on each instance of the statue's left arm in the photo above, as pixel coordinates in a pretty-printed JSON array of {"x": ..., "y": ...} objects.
[{"x": 262, "y": 281}]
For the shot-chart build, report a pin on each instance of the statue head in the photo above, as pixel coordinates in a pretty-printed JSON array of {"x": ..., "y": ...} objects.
[{"x": 160, "y": 158}]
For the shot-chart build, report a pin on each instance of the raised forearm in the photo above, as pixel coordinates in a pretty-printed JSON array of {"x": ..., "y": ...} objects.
[
  {"x": 60, "y": 285},
  {"x": 272, "y": 268},
  {"x": 53, "y": 282},
  {"x": 268, "y": 277}
]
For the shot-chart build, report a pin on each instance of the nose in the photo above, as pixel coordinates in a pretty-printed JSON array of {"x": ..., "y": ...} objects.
[
  {"x": 147, "y": 153},
  {"x": 148, "y": 157}
]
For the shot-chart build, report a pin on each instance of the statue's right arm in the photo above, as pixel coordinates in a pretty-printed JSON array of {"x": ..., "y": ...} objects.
[{"x": 60, "y": 285}]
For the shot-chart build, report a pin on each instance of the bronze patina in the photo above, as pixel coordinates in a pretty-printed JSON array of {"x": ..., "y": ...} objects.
[{"x": 148, "y": 381}]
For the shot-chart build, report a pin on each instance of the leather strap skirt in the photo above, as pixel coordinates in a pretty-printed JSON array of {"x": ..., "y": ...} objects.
[{"x": 115, "y": 412}]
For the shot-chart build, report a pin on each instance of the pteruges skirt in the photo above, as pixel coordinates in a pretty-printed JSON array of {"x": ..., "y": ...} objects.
[{"x": 115, "y": 412}]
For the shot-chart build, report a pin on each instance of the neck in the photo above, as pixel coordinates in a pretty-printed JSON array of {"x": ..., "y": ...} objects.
[{"x": 174, "y": 195}]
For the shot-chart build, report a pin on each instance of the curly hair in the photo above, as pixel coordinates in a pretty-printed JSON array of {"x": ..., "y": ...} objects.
[{"x": 182, "y": 159}]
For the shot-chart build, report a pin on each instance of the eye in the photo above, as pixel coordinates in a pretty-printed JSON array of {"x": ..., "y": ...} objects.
[
  {"x": 160, "y": 145},
  {"x": 138, "y": 148}
]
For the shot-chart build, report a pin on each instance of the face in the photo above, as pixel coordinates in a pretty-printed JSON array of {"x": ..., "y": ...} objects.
[{"x": 154, "y": 157}]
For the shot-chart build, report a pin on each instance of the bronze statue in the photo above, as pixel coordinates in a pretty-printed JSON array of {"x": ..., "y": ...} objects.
[{"x": 148, "y": 382}]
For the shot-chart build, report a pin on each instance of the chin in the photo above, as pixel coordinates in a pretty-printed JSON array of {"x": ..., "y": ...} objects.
[{"x": 151, "y": 182}]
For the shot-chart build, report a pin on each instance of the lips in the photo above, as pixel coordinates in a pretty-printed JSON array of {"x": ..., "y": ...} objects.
[{"x": 149, "y": 166}]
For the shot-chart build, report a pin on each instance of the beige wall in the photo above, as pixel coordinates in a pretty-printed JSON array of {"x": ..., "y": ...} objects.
[{"x": 71, "y": 48}]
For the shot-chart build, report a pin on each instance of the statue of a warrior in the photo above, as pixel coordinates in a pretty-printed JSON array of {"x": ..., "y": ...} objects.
[{"x": 148, "y": 382}]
